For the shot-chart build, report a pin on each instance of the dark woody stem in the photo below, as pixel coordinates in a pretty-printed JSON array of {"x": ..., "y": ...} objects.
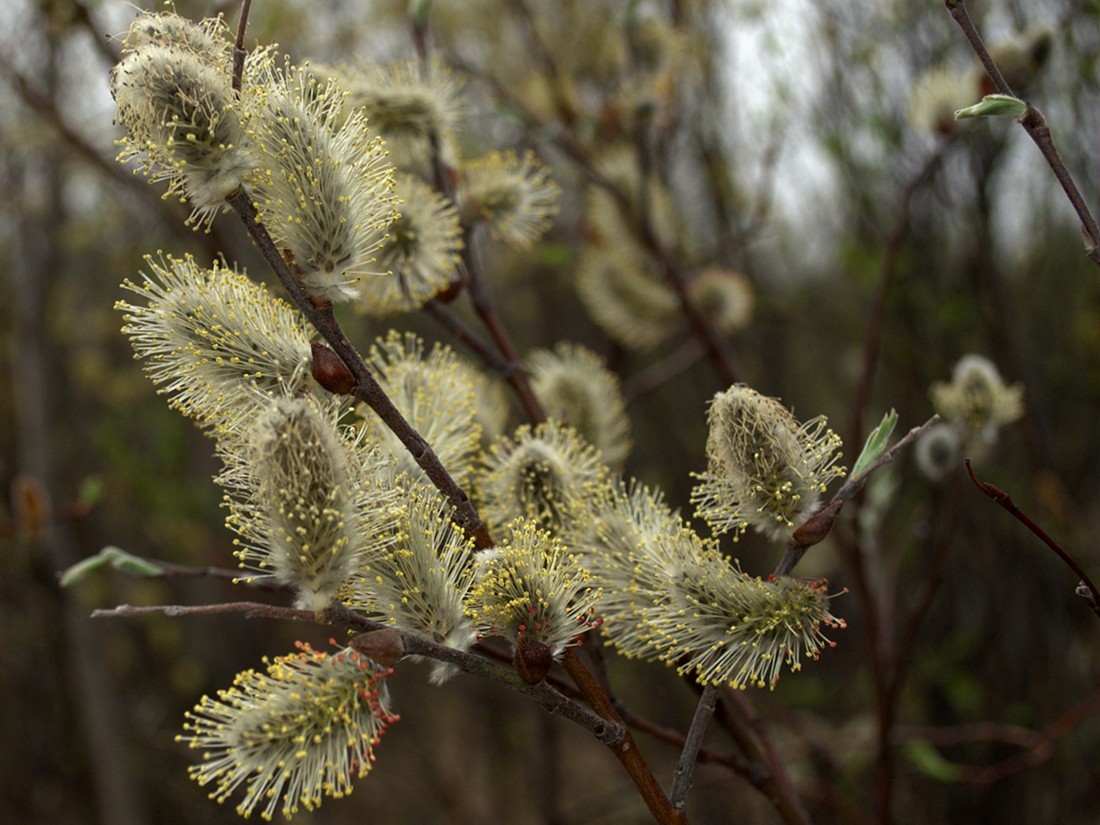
[
  {"x": 713, "y": 345},
  {"x": 469, "y": 275},
  {"x": 239, "y": 53},
  {"x": 1086, "y": 589},
  {"x": 1036, "y": 126},
  {"x": 367, "y": 388},
  {"x": 817, "y": 526},
  {"x": 625, "y": 750},
  {"x": 411, "y": 644},
  {"x": 685, "y": 768}
]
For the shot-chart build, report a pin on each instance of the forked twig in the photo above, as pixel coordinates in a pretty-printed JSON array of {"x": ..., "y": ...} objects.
[{"x": 818, "y": 525}]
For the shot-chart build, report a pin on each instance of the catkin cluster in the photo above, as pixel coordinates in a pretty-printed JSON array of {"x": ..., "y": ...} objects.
[{"x": 357, "y": 176}]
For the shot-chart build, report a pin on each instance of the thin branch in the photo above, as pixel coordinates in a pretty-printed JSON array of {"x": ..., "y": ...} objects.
[
  {"x": 479, "y": 296},
  {"x": 239, "y": 52},
  {"x": 367, "y": 388},
  {"x": 657, "y": 374},
  {"x": 180, "y": 571},
  {"x": 1036, "y": 126},
  {"x": 1038, "y": 746},
  {"x": 685, "y": 768},
  {"x": 892, "y": 659},
  {"x": 251, "y": 610},
  {"x": 1002, "y": 498},
  {"x": 713, "y": 344},
  {"x": 887, "y": 272},
  {"x": 626, "y": 752},
  {"x": 818, "y": 525},
  {"x": 470, "y": 277},
  {"x": 747, "y": 770},
  {"x": 606, "y": 731},
  {"x": 750, "y": 732},
  {"x": 461, "y": 332},
  {"x": 41, "y": 103}
]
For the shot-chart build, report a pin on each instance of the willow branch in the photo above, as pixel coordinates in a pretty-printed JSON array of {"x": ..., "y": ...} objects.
[
  {"x": 485, "y": 310},
  {"x": 750, "y": 733},
  {"x": 469, "y": 276},
  {"x": 1005, "y": 500},
  {"x": 1037, "y": 129},
  {"x": 1037, "y": 746},
  {"x": 42, "y": 104},
  {"x": 659, "y": 373},
  {"x": 713, "y": 344},
  {"x": 625, "y": 751},
  {"x": 462, "y": 333},
  {"x": 887, "y": 272},
  {"x": 685, "y": 767},
  {"x": 606, "y": 731},
  {"x": 367, "y": 388},
  {"x": 239, "y": 52},
  {"x": 818, "y": 525}
]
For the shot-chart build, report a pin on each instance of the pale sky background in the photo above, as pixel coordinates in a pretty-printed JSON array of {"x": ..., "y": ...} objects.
[{"x": 774, "y": 49}]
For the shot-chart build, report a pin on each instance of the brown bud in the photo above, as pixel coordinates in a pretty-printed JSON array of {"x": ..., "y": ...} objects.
[
  {"x": 330, "y": 372},
  {"x": 532, "y": 659},
  {"x": 386, "y": 647},
  {"x": 817, "y": 526}
]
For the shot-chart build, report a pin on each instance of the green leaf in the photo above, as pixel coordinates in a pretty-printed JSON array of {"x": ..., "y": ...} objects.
[
  {"x": 876, "y": 443},
  {"x": 112, "y": 557},
  {"x": 994, "y": 106},
  {"x": 930, "y": 762}
]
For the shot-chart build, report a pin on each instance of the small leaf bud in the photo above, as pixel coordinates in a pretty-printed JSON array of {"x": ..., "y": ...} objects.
[
  {"x": 384, "y": 647},
  {"x": 994, "y": 106}
]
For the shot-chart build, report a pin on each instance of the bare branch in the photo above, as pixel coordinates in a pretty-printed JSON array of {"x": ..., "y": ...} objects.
[
  {"x": 1036, "y": 126},
  {"x": 685, "y": 768},
  {"x": 1091, "y": 595}
]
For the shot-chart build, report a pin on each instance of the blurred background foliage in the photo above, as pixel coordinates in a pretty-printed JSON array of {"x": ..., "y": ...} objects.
[{"x": 784, "y": 140}]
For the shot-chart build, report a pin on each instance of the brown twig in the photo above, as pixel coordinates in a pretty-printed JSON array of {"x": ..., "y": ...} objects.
[
  {"x": 1037, "y": 745},
  {"x": 749, "y": 771},
  {"x": 818, "y": 525},
  {"x": 367, "y": 388},
  {"x": 887, "y": 272},
  {"x": 462, "y": 333},
  {"x": 485, "y": 310},
  {"x": 168, "y": 570},
  {"x": 892, "y": 660},
  {"x": 41, "y": 103},
  {"x": 608, "y": 732},
  {"x": 657, "y": 374},
  {"x": 1002, "y": 498},
  {"x": 469, "y": 276},
  {"x": 625, "y": 751},
  {"x": 685, "y": 767},
  {"x": 715, "y": 347},
  {"x": 1036, "y": 126},
  {"x": 239, "y": 52},
  {"x": 749, "y": 731}
]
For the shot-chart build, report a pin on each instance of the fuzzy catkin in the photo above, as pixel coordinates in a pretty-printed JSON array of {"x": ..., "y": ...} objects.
[
  {"x": 296, "y": 499},
  {"x": 304, "y": 729}
]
